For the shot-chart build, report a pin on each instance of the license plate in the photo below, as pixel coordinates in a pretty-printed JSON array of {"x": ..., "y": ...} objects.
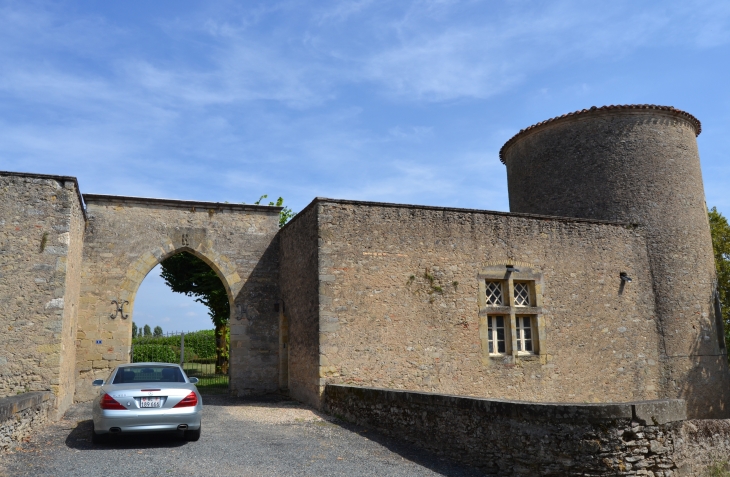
[{"x": 150, "y": 402}]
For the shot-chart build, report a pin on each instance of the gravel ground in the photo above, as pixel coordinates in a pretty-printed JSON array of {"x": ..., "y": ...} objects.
[{"x": 269, "y": 437}]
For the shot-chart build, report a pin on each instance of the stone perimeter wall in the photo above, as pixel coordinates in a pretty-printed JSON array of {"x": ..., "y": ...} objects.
[
  {"x": 300, "y": 288},
  {"x": 67, "y": 376},
  {"x": 507, "y": 438},
  {"x": 41, "y": 236},
  {"x": 21, "y": 414},
  {"x": 383, "y": 322}
]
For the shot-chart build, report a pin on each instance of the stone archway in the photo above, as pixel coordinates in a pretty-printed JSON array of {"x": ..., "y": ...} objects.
[
  {"x": 127, "y": 237},
  {"x": 221, "y": 265}
]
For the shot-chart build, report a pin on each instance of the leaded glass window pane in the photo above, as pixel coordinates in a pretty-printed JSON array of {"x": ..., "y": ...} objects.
[
  {"x": 494, "y": 293},
  {"x": 522, "y": 294}
]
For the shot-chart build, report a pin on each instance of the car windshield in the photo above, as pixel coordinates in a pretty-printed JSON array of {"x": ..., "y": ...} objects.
[{"x": 148, "y": 374}]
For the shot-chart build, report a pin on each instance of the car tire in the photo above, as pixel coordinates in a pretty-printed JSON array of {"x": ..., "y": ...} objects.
[{"x": 193, "y": 435}]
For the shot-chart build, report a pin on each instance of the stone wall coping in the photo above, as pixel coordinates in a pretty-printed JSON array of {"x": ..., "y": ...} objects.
[
  {"x": 318, "y": 200},
  {"x": 52, "y": 177},
  {"x": 11, "y": 405},
  {"x": 654, "y": 412},
  {"x": 186, "y": 204},
  {"x": 622, "y": 108}
]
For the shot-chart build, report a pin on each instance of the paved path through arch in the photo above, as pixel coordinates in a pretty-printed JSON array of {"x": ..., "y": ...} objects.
[{"x": 240, "y": 438}]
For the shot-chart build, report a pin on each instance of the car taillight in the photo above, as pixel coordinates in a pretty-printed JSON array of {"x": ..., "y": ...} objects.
[
  {"x": 189, "y": 400},
  {"x": 108, "y": 402}
]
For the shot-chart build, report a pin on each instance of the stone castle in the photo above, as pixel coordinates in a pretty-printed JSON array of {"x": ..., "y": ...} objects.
[{"x": 598, "y": 287}]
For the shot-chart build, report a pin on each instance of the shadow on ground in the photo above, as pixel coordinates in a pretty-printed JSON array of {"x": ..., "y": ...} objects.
[
  {"x": 227, "y": 400},
  {"x": 408, "y": 451},
  {"x": 80, "y": 438}
]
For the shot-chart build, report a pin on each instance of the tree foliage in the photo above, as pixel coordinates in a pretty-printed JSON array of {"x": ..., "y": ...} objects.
[
  {"x": 157, "y": 331},
  {"x": 720, "y": 231},
  {"x": 147, "y": 330},
  {"x": 187, "y": 274},
  {"x": 154, "y": 353},
  {"x": 199, "y": 346},
  {"x": 134, "y": 330},
  {"x": 286, "y": 213}
]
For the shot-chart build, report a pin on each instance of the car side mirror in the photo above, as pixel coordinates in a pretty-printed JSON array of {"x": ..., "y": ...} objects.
[
  {"x": 193, "y": 380},
  {"x": 98, "y": 382}
]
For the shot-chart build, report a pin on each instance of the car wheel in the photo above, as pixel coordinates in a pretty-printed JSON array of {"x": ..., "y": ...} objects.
[{"x": 193, "y": 435}]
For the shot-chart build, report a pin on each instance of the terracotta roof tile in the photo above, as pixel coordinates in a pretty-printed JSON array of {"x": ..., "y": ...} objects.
[{"x": 679, "y": 112}]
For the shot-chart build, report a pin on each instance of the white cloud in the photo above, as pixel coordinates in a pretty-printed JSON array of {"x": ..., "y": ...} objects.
[
  {"x": 411, "y": 133},
  {"x": 437, "y": 61},
  {"x": 439, "y": 69},
  {"x": 341, "y": 11},
  {"x": 421, "y": 50},
  {"x": 342, "y": 98}
]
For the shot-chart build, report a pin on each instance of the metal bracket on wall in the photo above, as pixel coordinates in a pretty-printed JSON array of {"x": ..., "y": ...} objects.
[{"x": 120, "y": 309}]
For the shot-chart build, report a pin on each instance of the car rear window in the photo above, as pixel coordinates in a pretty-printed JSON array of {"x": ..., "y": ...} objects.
[{"x": 148, "y": 374}]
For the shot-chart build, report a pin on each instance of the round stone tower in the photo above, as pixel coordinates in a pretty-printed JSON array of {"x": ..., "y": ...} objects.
[{"x": 638, "y": 164}]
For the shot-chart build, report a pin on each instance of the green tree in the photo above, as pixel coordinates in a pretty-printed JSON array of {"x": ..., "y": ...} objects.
[
  {"x": 286, "y": 213},
  {"x": 134, "y": 330},
  {"x": 187, "y": 274},
  {"x": 720, "y": 231},
  {"x": 157, "y": 331},
  {"x": 147, "y": 330}
]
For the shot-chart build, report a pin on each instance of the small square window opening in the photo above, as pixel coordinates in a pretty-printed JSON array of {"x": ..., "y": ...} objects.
[
  {"x": 494, "y": 293},
  {"x": 496, "y": 334},
  {"x": 522, "y": 294},
  {"x": 524, "y": 335}
]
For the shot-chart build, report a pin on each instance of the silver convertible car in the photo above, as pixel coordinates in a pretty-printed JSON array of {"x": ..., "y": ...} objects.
[{"x": 147, "y": 397}]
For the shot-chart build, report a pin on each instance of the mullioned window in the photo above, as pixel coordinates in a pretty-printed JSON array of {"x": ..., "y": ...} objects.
[{"x": 511, "y": 323}]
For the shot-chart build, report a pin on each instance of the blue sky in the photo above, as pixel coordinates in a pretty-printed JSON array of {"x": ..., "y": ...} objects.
[{"x": 399, "y": 101}]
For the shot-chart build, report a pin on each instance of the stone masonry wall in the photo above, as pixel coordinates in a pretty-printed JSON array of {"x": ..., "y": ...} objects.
[
  {"x": 41, "y": 233},
  {"x": 127, "y": 237},
  {"x": 300, "y": 292},
  {"x": 508, "y": 438},
  {"x": 700, "y": 444},
  {"x": 75, "y": 242},
  {"x": 401, "y": 310},
  {"x": 22, "y": 414}
]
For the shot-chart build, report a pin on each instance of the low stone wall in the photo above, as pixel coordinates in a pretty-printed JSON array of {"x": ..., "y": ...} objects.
[
  {"x": 702, "y": 443},
  {"x": 509, "y": 438},
  {"x": 20, "y": 414}
]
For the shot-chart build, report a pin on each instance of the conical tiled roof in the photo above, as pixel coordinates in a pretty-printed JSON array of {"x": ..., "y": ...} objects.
[{"x": 678, "y": 112}]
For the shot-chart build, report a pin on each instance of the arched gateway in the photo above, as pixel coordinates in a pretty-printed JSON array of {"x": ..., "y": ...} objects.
[{"x": 126, "y": 237}]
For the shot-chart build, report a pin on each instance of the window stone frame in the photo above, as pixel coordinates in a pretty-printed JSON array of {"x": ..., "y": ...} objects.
[{"x": 526, "y": 274}]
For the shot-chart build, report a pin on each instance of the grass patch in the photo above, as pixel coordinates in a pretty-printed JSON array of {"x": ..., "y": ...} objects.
[
  {"x": 212, "y": 386},
  {"x": 718, "y": 469},
  {"x": 208, "y": 381}
]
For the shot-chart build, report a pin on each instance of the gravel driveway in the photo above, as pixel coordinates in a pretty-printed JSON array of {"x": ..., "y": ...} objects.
[{"x": 240, "y": 438}]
